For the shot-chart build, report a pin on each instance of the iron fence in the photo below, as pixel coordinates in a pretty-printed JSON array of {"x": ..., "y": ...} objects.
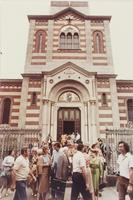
[
  {"x": 15, "y": 138},
  {"x": 113, "y": 136}
]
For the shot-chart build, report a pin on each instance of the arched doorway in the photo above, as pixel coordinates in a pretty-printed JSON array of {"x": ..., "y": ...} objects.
[
  {"x": 70, "y": 95},
  {"x": 68, "y": 121}
]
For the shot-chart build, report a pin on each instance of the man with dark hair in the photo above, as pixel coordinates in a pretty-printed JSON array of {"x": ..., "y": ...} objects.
[
  {"x": 79, "y": 176},
  {"x": 125, "y": 178},
  {"x": 21, "y": 171}
]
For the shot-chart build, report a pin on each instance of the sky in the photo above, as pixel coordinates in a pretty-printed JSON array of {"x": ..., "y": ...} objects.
[{"x": 14, "y": 28}]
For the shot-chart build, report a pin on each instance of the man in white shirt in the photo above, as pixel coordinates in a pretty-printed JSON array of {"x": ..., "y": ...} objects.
[
  {"x": 21, "y": 171},
  {"x": 79, "y": 176},
  {"x": 125, "y": 178},
  {"x": 56, "y": 153},
  {"x": 77, "y": 137}
]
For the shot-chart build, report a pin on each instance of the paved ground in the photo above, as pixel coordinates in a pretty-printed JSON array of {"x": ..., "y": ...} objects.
[{"x": 108, "y": 193}]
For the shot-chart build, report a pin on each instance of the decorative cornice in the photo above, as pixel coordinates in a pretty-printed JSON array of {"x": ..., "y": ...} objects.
[
  {"x": 69, "y": 9},
  {"x": 124, "y": 81},
  {"x": 106, "y": 75},
  {"x": 32, "y": 75},
  {"x": 11, "y": 80}
]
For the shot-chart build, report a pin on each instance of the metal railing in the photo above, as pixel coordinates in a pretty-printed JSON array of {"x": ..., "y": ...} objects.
[
  {"x": 113, "y": 136},
  {"x": 15, "y": 138}
]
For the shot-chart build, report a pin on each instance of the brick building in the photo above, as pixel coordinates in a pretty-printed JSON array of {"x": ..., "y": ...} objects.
[{"x": 68, "y": 83}]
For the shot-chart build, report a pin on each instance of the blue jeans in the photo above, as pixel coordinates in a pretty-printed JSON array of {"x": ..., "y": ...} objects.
[{"x": 20, "y": 193}]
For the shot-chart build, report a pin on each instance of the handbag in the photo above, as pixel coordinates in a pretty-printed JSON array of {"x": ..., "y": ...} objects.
[{"x": 58, "y": 185}]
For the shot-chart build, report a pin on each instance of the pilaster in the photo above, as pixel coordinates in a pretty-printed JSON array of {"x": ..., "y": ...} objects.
[
  {"x": 30, "y": 44},
  {"x": 45, "y": 119},
  {"x": 114, "y": 103},
  {"x": 23, "y": 103},
  {"x": 88, "y": 42},
  {"x": 50, "y": 41},
  {"x": 108, "y": 43},
  {"x": 93, "y": 123},
  {"x": 86, "y": 122}
]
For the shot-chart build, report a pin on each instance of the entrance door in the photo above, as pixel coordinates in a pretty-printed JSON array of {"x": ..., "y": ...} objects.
[
  {"x": 68, "y": 121},
  {"x": 68, "y": 127}
]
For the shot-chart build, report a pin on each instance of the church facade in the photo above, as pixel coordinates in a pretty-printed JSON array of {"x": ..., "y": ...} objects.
[{"x": 68, "y": 84}]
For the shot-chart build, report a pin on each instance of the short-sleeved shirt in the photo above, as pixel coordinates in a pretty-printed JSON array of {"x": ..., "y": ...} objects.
[
  {"x": 56, "y": 155},
  {"x": 8, "y": 163},
  {"x": 125, "y": 162},
  {"x": 78, "y": 162},
  {"x": 21, "y": 167}
]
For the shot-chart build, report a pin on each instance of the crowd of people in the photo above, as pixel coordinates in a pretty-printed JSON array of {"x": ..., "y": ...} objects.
[{"x": 48, "y": 169}]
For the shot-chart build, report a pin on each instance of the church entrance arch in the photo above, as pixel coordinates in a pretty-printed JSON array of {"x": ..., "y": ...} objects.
[
  {"x": 68, "y": 110},
  {"x": 68, "y": 121}
]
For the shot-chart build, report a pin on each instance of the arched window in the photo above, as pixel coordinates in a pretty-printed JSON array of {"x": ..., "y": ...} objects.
[
  {"x": 69, "y": 41},
  {"x": 62, "y": 40},
  {"x": 76, "y": 41},
  {"x": 6, "y": 110},
  {"x": 98, "y": 42},
  {"x": 40, "y": 41},
  {"x": 39, "y": 44},
  {"x": 69, "y": 37},
  {"x": 34, "y": 99},
  {"x": 130, "y": 109},
  {"x": 104, "y": 99}
]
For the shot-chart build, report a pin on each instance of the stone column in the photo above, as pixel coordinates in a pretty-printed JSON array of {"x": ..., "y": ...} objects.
[
  {"x": 86, "y": 125},
  {"x": 52, "y": 119},
  {"x": 114, "y": 103},
  {"x": 45, "y": 119},
  {"x": 93, "y": 125},
  {"x": 23, "y": 103},
  {"x": 50, "y": 41},
  {"x": 88, "y": 41}
]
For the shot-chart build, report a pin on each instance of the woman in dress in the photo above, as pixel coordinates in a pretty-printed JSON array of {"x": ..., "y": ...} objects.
[
  {"x": 34, "y": 161},
  {"x": 96, "y": 169},
  {"x": 43, "y": 166},
  {"x": 89, "y": 180}
]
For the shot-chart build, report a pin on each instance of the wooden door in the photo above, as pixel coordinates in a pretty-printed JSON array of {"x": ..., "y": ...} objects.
[{"x": 69, "y": 115}]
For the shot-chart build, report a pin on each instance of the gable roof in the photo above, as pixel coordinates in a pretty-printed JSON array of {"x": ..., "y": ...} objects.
[
  {"x": 69, "y": 65},
  {"x": 66, "y": 10}
]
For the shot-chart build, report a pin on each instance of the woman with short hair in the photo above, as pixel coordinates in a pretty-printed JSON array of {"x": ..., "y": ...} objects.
[{"x": 43, "y": 166}]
